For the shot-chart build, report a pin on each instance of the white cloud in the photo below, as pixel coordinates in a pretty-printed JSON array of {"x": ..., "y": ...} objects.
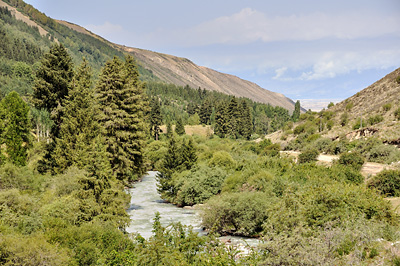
[{"x": 250, "y": 25}]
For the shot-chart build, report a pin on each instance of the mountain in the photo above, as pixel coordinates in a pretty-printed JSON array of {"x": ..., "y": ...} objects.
[{"x": 182, "y": 72}]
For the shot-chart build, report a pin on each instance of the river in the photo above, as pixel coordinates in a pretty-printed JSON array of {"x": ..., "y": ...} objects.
[{"x": 145, "y": 202}]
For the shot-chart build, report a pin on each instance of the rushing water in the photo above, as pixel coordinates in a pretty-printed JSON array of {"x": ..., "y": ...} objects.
[{"x": 145, "y": 202}]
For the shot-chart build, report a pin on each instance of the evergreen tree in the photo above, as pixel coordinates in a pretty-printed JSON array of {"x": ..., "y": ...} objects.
[
  {"x": 171, "y": 162},
  {"x": 52, "y": 83},
  {"x": 180, "y": 128},
  {"x": 188, "y": 154},
  {"x": 221, "y": 121},
  {"x": 205, "y": 112},
  {"x": 15, "y": 127},
  {"x": 296, "y": 112},
  {"x": 79, "y": 130},
  {"x": 123, "y": 107},
  {"x": 170, "y": 131},
  {"x": 245, "y": 123},
  {"x": 233, "y": 116},
  {"x": 155, "y": 118}
]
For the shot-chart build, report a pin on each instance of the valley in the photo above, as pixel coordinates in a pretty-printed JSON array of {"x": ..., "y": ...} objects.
[{"x": 112, "y": 155}]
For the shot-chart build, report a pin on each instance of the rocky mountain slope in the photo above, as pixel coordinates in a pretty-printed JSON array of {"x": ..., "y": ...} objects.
[{"x": 181, "y": 72}]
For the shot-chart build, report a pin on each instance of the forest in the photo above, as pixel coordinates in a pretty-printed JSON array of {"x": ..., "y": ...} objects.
[{"x": 76, "y": 132}]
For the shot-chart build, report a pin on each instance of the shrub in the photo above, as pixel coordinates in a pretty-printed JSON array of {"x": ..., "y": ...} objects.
[
  {"x": 199, "y": 184},
  {"x": 344, "y": 119},
  {"x": 353, "y": 159},
  {"x": 372, "y": 120},
  {"x": 308, "y": 156},
  {"x": 387, "y": 107},
  {"x": 387, "y": 182},
  {"x": 238, "y": 213},
  {"x": 397, "y": 113},
  {"x": 330, "y": 124},
  {"x": 272, "y": 150},
  {"x": 222, "y": 159},
  {"x": 349, "y": 106}
]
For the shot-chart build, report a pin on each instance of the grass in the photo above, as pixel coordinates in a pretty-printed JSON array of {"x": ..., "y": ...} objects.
[{"x": 198, "y": 130}]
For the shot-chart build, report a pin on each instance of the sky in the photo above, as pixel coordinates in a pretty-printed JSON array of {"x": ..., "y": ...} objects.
[{"x": 310, "y": 50}]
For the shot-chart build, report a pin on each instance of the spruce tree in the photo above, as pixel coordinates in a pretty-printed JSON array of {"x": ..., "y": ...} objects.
[
  {"x": 245, "y": 122},
  {"x": 233, "y": 116},
  {"x": 15, "y": 128},
  {"x": 221, "y": 120},
  {"x": 79, "y": 127},
  {"x": 155, "y": 118},
  {"x": 123, "y": 107},
  {"x": 180, "y": 128},
  {"x": 52, "y": 83}
]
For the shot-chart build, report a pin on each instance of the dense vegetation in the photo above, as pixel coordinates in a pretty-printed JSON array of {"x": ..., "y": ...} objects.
[
  {"x": 229, "y": 116},
  {"x": 305, "y": 212},
  {"x": 73, "y": 134}
]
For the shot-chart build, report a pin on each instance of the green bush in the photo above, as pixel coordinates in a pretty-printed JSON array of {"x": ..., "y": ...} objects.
[
  {"x": 353, "y": 159},
  {"x": 222, "y": 159},
  {"x": 198, "y": 184},
  {"x": 272, "y": 150},
  {"x": 308, "y": 156},
  {"x": 237, "y": 213},
  {"x": 397, "y": 113},
  {"x": 387, "y": 107},
  {"x": 372, "y": 120},
  {"x": 387, "y": 183}
]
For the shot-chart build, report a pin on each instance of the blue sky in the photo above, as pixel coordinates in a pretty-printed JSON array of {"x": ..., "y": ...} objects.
[{"x": 309, "y": 49}]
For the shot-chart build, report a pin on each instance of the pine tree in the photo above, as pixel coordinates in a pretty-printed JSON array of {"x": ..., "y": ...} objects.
[
  {"x": 123, "y": 107},
  {"x": 296, "y": 112},
  {"x": 171, "y": 162},
  {"x": 52, "y": 83},
  {"x": 15, "y": 128},
  {"x": 180, "y": 128},
  {"x": 155, "y": 118}
]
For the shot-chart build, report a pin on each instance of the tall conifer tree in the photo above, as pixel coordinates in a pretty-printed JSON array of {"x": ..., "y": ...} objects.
[
  {"x": 79, "y": 142},
  {"x": 245, "y": 123},
  {"x": 155, "y": 118},
  {"x": 52, "y": 83},
  {"x": 180, "y": 128},
  {"x": 123, "y": 106}
]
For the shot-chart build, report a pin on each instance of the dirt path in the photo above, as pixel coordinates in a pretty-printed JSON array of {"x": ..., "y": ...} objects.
[{"x": 368, "y": 169}]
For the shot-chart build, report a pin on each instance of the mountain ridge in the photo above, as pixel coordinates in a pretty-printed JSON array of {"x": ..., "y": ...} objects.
[{"x": 182, "y": 71}]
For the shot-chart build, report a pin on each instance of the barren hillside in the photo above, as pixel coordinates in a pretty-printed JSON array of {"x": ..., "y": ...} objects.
[{"x": 181, "y": 71}]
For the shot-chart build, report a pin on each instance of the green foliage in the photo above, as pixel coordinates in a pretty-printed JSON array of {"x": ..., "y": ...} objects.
[
  {"x": 387, "y": 182},
  {"x": 14, "y": 128},
  {"x": 386, "y": 107},
  {"x": 308, "y": 156},
  {"x": 397, "y": 113},
  {"x": 180, "y": 128},
  {"x": 222, "y": 159},
  {"x": 121, "y": 98},
  {"x": 296, "y": 112},
  {"x": 331, "y": 104},
  {"x": 353, "y": 159},
  {"x": 237, "y": 213},
  {"x": 198, "y": 184},
  {"x": 349, "y": 106},
  {"x": 344, "y": 119},
  {"x": 155, "y": 118},
  {"x": 372, "y": 120}
]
